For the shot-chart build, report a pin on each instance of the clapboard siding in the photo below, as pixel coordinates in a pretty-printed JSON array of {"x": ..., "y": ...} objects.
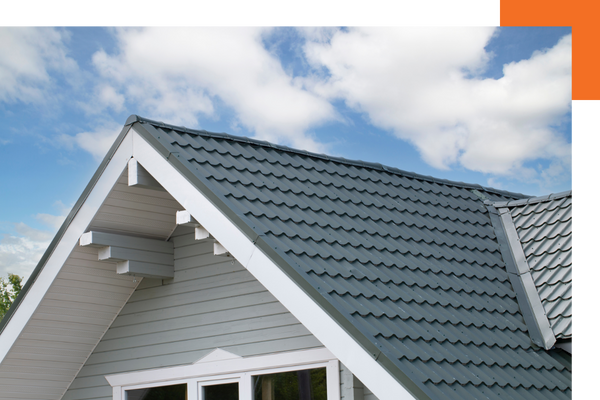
[{"x": 211, "y": 302}]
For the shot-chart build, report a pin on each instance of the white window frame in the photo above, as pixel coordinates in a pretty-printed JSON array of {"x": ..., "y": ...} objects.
[{"x": 229, "y": 370}]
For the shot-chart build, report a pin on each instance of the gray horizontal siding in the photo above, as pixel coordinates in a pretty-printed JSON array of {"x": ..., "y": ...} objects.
[
  {"x": 210, "y": 303},
  {"x": 137, "y": 211}
]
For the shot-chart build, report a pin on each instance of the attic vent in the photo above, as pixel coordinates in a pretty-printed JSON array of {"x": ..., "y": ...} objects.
[{"x": 136, "y": 256}]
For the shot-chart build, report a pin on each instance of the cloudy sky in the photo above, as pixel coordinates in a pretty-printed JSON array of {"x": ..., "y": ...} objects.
[{"x": 482, "y": 105}]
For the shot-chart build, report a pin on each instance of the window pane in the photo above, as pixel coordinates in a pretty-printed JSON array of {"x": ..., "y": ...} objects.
[
  {"x": 295, "y": 385},
  {"x": 173, "y": 392},
  {"x": 228, "y": 391}
]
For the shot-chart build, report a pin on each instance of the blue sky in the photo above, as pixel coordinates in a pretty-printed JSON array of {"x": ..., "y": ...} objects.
[{"x": 481, "y": 105}]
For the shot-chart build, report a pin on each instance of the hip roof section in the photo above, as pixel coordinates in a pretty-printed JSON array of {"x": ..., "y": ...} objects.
[{"x": 544, "y": 228}]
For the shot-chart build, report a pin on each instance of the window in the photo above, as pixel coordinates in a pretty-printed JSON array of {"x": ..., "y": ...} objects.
[
  {"x": 171, "y": 392},
  {"x": 224, "y": 391},
  {"x": 302, "y": 375},
  {"x": 307, "y": 384}
]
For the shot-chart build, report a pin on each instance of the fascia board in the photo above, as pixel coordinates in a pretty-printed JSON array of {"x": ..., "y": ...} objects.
[
  {"x": 520, "y": 277},
  {"x": 65, "y": 240},
  {"x": 361, "y": 356}
]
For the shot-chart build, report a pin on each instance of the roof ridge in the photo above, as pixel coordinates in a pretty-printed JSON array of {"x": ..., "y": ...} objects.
[
  {"x": 532, "y": 200},
  {"x": 359, "y": 163}
]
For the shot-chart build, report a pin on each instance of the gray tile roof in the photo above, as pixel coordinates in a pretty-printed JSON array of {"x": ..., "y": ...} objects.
[
  {"x": 409, "y": 265},
  {"x": 544, "y": 228},
  {"x": 545, "y": 232}
]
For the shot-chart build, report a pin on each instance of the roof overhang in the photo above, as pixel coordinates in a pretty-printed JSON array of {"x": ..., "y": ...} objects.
[{"x": 65, "y": 240}]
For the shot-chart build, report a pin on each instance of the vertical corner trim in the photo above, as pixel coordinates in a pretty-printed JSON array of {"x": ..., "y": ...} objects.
[{"x": 519, "y": 273}]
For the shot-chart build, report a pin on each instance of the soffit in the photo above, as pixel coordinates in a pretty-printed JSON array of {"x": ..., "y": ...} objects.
[{"x": 83, "y": 300}]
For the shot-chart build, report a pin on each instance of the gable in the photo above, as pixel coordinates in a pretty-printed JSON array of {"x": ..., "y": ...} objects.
[
  {"x": 400, "y": 276},
  {"x": 54, "y": 379}
]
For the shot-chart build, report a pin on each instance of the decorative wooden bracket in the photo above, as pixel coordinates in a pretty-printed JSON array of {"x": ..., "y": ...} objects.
[
  {"x": 220, "y": 250},
  {"x": 150, "y": 258},
  {"x": 185, "y": 218},
  {"x": 137, "y": 176}
]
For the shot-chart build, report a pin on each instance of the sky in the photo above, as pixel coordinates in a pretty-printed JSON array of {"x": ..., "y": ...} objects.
[{"x": 490, "y": 106}]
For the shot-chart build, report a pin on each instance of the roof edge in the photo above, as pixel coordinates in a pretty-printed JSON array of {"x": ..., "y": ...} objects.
[
  {"x": 63, "y": 228},
  {"x": 358, "y": 163}
]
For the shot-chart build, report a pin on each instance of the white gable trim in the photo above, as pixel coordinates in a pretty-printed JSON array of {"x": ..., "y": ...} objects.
[
  {"x": 63, "y": 249},
  {"x": 311, "y": 315},
  {"x": 218, "y": 355}
]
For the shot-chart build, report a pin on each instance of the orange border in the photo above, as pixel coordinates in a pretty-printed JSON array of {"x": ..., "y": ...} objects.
[{"x": 581, "y": 17}]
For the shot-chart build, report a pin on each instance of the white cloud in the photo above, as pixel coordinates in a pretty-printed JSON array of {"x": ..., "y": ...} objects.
[
  {"x": 27, "y": 55},
  {"x": 96, "y": 142},
  {"x": 103, "y": 97},
  {"x": 19, "y": 255},
  {"x": 21, "y": 250},
  {"x": 423, "y": 85},
  {"x": 175, "y": 74},
  {"x": 54, "y": 221}
]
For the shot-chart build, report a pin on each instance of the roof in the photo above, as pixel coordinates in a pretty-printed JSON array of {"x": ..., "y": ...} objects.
[
  {"x": 543, "y": 226},
  {"x": 410, "y": 266}
]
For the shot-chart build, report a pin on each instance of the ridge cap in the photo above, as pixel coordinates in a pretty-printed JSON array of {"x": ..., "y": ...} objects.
[{"x": 336, "y": 159}]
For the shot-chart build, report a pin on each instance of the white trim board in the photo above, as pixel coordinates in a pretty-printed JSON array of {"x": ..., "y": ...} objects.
[
  {"x": 310, "y": 314},
  {"x": 229, "y": 370},
  {"x": 232, "y": 366}
]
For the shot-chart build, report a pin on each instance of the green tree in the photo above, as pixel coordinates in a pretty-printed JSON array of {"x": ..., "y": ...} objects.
[{"x": 9, "y": 290}]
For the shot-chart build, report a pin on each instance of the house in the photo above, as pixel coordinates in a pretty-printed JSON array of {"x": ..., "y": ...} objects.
[{"x": 208, "y": 265}]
